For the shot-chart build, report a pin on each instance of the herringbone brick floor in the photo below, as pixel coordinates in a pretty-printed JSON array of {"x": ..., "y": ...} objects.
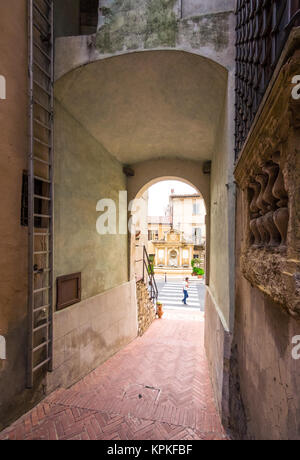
[{"x": 157, "y": 388}]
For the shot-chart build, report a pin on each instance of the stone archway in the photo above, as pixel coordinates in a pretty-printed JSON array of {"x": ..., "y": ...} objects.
[
  {"x": 148, "y": 173},
  {"x": 151, "y": 172}
]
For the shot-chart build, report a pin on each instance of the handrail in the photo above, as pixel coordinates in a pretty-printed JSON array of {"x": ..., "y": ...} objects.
[{"x": 152, "y": 283}]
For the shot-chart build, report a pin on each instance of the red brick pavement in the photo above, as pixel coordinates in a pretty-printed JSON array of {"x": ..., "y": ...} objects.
[{"x": 157, "y": 388}]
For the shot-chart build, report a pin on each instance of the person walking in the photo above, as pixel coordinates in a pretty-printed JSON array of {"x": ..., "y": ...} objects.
[{"x": 185, "y": 291}]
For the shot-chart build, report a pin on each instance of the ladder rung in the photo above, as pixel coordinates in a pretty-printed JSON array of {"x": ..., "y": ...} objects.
[
  {"x": 42, "y": 88},
  {"x": 36, "y": 139},
  {"x": 42, "y": 14},
  {"x": 40, "y": 160},
  {"x": 42, "y": 51},
  {"x": 42, "y": 124},
  {"x": 42, "y": 234},
  {"x": 41, "y": 346},
  {"x": 47, "y": 3},
  {"x": 42, "y": 179},
  {"x": 43, "y": 216},
  {"x": 41, "y": 30},
  {"x": 42, "y": 271},
  {"x": 40, "y": 197},
  {"x": 47, "y": 109},
  {"x": 40, "y": 253},
  {"x": 41, "y": 364},
  {"x": 36, "y": 291},
  {"x": 44, "y": 307},
  {"x": 42, "y": 70},
  {"x": 38, "y": 328}
]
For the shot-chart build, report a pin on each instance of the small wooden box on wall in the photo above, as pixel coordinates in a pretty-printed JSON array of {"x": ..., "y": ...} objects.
[
  {"x": 68, "y": 290},
  {"x": 268, "y": 175}
]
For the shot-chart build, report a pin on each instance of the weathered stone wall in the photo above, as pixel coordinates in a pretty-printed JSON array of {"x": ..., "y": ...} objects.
[
  {"x": 139, "y": 24},
  {"x": 264, "y": 372},
  {"x": 196, "y": 7},
  {"x": 88, "y": 333},
  {"x": 265, "y": 379},
  {"x": 146, "y": 311}
]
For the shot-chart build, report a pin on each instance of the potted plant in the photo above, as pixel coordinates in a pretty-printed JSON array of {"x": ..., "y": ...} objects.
[
  {"x": 159, "y": 309},
  {"x": 200, "y": 273},
  {"x": 151, "y": 265},
  {"x": 197, "y": 270}
]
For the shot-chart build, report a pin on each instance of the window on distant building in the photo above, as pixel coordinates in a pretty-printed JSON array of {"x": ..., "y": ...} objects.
[
  {"x": 197, "y": 235},
  {"x": 196, "y": 208},
  {"x": 152, "y": 235}
]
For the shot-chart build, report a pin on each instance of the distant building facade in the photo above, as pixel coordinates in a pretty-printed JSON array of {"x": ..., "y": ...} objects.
[
  {"x": 177, "y": 238},
  {"x": 188, "y": 216}
]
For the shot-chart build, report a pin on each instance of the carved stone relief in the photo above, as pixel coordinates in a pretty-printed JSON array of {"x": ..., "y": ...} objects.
[
  {"x": 268, "y": 207},
  {"x": 268, "y": 178}
]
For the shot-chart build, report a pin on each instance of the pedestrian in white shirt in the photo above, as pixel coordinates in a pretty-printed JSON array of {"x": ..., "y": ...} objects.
[{"x": 185, "y": 291}]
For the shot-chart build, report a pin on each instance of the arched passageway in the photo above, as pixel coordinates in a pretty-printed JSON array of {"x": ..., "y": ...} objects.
[
  {"x": 145, "y": 89},
  {"x": 135, "y": 109},
  {"x": 160, "y": 114},
  {"x": 150, "y": 172}
]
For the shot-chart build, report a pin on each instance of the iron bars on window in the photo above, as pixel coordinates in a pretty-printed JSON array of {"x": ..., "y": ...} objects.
[{"x": 262, "y": 29}]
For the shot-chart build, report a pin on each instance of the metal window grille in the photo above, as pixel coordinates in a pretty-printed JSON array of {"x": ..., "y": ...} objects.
[{"x": 262, "y": 28}]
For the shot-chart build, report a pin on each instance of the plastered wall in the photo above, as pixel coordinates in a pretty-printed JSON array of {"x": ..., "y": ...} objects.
[{"x": 84, "y": 174}]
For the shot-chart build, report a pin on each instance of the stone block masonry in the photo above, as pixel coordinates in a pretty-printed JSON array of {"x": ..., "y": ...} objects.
[
  {"x": 88, "y": 333},
  {"x": 146, "y": 311}
]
